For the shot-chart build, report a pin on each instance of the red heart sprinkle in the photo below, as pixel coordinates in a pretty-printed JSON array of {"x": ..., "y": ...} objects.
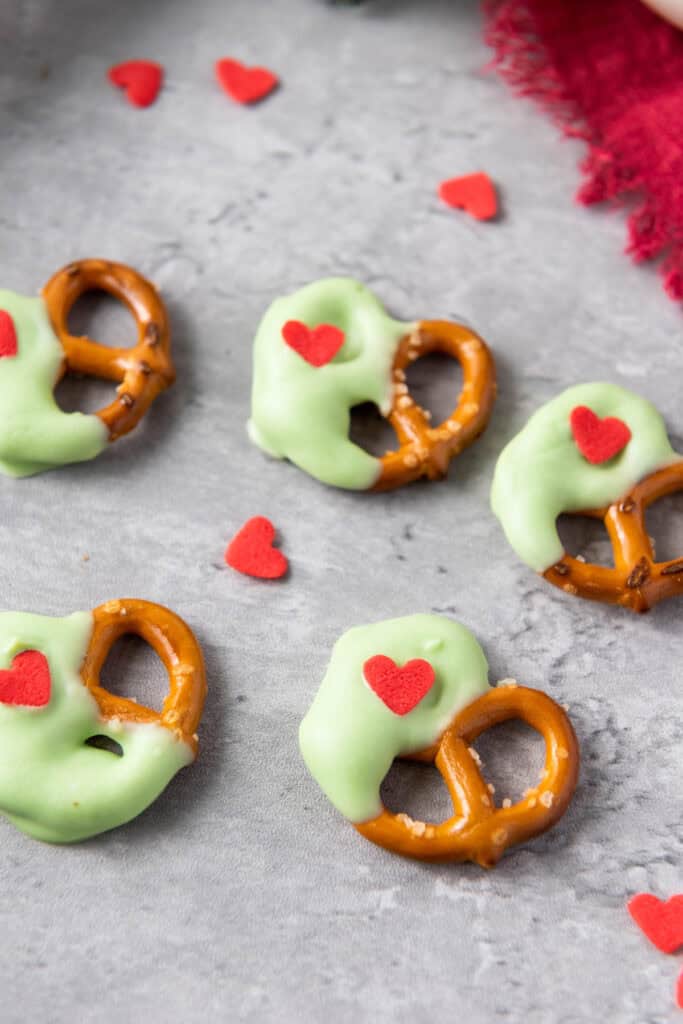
[
  {"x": 251, "y": 551},
  {"x": 661, "y": 921},
  {"x": 679, "y": 991},
  {"x": 598, "y": 440},
  {"x": 140, "y": 78},
  {"x": 318, "y": 345},
  {"x": 244, "y": 84},
  {"x": 401, "y": 689},
  {"x": 474, "y": 193},
  {"x": 27, "y": 682},
  {"x": 8, "y": 335}
]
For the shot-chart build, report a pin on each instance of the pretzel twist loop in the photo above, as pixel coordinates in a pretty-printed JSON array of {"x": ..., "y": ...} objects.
[
  {"x": 145, "y": 369},
  {"x": 426, "y": 450},
  {"x": 637, "y": 581},
  {"x": 176, "y": 646},
  {"x": 480, "y": 831}
]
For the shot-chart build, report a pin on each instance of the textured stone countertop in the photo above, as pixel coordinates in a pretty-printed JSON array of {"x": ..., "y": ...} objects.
[{"x": 241, "y": 894}]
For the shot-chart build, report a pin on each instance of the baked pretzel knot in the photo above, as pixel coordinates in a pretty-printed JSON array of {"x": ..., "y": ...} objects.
[
  {"x": 177, "y": 648},
  {"x": 637, "y": 581},
  {"x": 425, "y": 450},
  {"x": 145, "y": 369},
  {"x": 479, "y": 831}
]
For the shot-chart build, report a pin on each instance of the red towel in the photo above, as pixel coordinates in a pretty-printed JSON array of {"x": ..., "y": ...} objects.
[{"x": 609, "y": 72}]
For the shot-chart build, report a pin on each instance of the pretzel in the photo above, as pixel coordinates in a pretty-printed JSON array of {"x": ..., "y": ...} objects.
[
  {"x": 145, "y": 369},
  {"x": 637, "y": 581},
  {"x": 177, "y": 648},
  {"x": 425, "y": 450},
  {"x": 479, "y": 831},
  {"x": 330, "y": 347}
]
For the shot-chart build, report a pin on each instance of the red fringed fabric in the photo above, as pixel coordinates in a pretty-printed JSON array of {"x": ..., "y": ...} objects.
[{"x": 609, "y": 72}]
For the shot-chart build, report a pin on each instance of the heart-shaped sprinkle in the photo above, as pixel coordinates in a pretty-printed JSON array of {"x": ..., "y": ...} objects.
[
  {"x": 140, "y": 78},
  {"x": 401, "y": 689},
  {"x": 598, "y": 440},
  {"x": 244, "y": 84},
  {"x": 318, "y": 345},
  {"x": 660, "y": 920},
  {"x": 474, "y": 193},
  {"x": 679, "y": 991},
  {"x": 27, "y": 682},
  {"x": 8, "y": 335},
  {"x": 251, "y": 551}
]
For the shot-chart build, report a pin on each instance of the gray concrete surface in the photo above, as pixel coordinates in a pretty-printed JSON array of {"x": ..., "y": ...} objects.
[{"x": 241, "y": 895}]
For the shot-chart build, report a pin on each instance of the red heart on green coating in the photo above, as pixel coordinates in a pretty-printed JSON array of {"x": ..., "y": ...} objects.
[
  {"x": 401, "y": 689},
  {"x": 8, "y": 335},
  {"x": 598, "y": 440},
  {"x": 27, "y": 682},
  {"x": 317, "y": 345}
]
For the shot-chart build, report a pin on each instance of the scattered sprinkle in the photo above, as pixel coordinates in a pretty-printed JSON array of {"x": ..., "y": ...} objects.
[
  {"x": 660, "y": 920},
  {"x": 474, "y": 193},
  {"x": 142, "y": 80},
  {"x": 251, "y": 551},
  {"x": 244, "y": 84}
]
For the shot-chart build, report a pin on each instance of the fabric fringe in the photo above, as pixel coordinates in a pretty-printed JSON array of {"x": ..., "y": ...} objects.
[{"x": 640, "y": 164}]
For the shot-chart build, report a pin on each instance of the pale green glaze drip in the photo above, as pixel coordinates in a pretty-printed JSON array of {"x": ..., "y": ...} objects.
[
  {"x": 349, "y": 737},
  {"x": 541, "y": 473},
  {"x": 302, "y": 413},
  {"x": 53, "y": 786},
  {"x": 34, "y": 432}
]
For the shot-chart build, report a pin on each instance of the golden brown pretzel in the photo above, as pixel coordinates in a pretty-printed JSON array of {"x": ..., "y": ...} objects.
[
  {"x": 179, "y": 651},
  {"x": 145, "y": 369},
  {"x": 637, "y": 581},
  {"x": 425, "y": 450},
  {"x": 480, "y": 831}
]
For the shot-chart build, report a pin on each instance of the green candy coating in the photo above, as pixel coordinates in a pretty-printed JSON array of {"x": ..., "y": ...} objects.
[
  {"x": 349, "y": 737},
  {"x": 35, "y": 434},
  {"x": 54, "y": 786},
  {"x": 541, "y": 473},
  {"x": 303, "y": 413}
]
